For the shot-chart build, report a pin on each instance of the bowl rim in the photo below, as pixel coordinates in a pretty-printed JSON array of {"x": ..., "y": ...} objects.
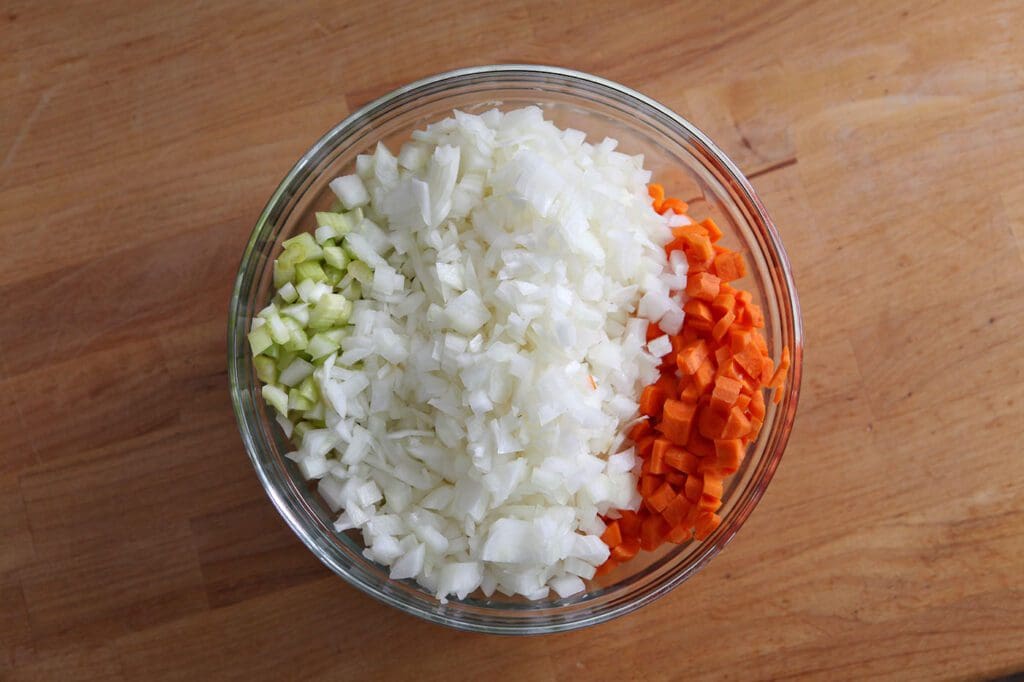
[{"x": 786, "y": 419}]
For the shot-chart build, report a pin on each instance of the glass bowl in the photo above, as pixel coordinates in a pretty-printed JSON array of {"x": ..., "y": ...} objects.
[{"x": 681, "y": 158}]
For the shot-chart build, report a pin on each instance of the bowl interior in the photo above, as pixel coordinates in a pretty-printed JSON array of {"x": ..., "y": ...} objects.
[{"x": 680, "y": 158}]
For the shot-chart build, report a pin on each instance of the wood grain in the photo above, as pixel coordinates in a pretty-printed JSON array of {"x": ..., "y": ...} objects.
[{"x": 138, "y": 143}]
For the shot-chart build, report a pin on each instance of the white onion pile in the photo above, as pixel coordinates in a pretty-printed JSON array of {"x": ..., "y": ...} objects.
[{"x": 515, "y": 267}]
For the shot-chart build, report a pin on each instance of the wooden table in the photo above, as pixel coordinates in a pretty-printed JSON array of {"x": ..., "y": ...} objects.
[{"x": 138, "y": 143}]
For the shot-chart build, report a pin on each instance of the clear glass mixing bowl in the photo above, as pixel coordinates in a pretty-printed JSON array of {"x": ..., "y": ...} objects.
[{"x": 681, "y": 158}]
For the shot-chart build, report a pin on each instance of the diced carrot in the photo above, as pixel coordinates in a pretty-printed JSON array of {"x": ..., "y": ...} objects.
[
  {"x": 691, "y": 356},
  {"x": 723, "y": 303},
  {"x": 677, "y": 244},
  {"x": 612, "y": 535},
  {"x": 703, "y": 285},
  {"x": 722, "y": 356},
  {"x": 739, "y": 338},
  {"x": 644, "y": 445},
  {"x": 705, "y": 375},
  {"x": 710, "y": 423},
  {"x": 661, "y": 446},
  {"x": 753, "y": 315},
  {"x": 626, "y": 550},
  {"x": 677, "y": 420},
  {"x": 755, "y": 427},
  {"x": 661, "y": 497},
  {"x": 742, "y": 400},
  {"x": 639, "y": 430},
  {"x": 749, "y": 358},
  {"x": 725, "y": 394},
  {"x": 779, "y": 377},
  {"x": 722, "y": 326},
  {"x": 677, "y": 206},
  {"x": 706, "y": 523},
  {"x": 652, "y": 532},
  {"x": 729, "y": 455},
  {"x": 730, "y": 266},
  {"x": 668, "y": 384},
  {"x": 676, "y": 479},
  {"x": 760, "y": 343},
  {"x": 657, "y": 194},
  {"x": 714, "y": 233},
  {"x": 712, "y": 490},
  {"x": 680, "y": 459},
  {"x": 648, "y": 484},
  {"x": 651, "y": 401},
  {"x": 629, "y": 523},
  {"x": 699, "y": 445},
  {"x": 676, "y": 510},
  {"x": 737, "y": 426},
  {"x": 757, "y": 408},
  {"x": 694, "y": 488},
  {"x": 690, "y": 393},
  {"x": 697, "y": 309},
  {"x": 680, "y": 534},
  {"x": 607, "y": 567}
]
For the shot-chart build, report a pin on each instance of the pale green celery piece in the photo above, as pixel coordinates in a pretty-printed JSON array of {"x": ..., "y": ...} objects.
[
  {"x": 321, "y": 346},
  {"x": 288, "y": 293},
  {"x": 279, "y": 330},
  {"x": 259, "y": 340},
  {"x": 341, "y": 223},
  {"x": 310, "y": 270},
  {"x": 305, "y": 244},
  {"x": 283, "y": 273},
  {"x": 361, "y": 271},
  {"x": 271, "y": 309},
  {"x": 298, "y": 402},
  {"x": 299, "y": 340},
  {"x": 330, "y": 311},
  {"x": 276, "y": 398},
  {"x": 337, "y": 207},
  {"x": 336, "y": 335},
  {"x": 336, "y": 257},
  {"x": 272, "y": 352},
  {"x": 285, "y": 357},
  {"x": 329, "y": 242},
  {"x": 300, "y": 430},
  {"x": 353, "y": 291},
  {"x": 309, "y": 390},
  {"x": 266, "y": 369},
  {"x": 298, "y": 312},
  {"x": 334, "y": 275},
  {"x": 355, "y": 216},
  {"x": 315, "y": 415}
]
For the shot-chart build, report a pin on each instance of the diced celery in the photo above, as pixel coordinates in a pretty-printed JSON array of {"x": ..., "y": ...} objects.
[
  {"x": 355, "y": 216},
  {"x": 335, "y": 256},
  {"x": 276, "y": 398},
  {"x": 323, "y": 235},
  {"x": 299, "y": 402},
  {"x": 266, "y": 369},
  {"x": 334, "y": 275},
  {"x": 268, "y": 311},
  {"x": 316, "y": 414},
  {"x": 330, "y": 311},
  {"x": 310, "y": 270},
  {"x": 259, "y": 340},
  {"x": 302, "y": 245},
  {"x": 279, "y": 331},
  {"x": 336, "y": 335},
  {"x": 285, "y": 357},
  {"x": 340, "y": 223},
  {"x": 321, "y": 345},
  {"x": 288, "y": 293},
  {"x": 272, "y": 352},
  {"x": 309, "y": 390},
  {"x": 361, "y": 271},
  {"x": 300, "y": 430},
  {"x": 283, "y": 273},
  {"x": 298, "y": 312},
  {"x": 299, "y": 340},
  {"x": 353, "y": 291}
]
